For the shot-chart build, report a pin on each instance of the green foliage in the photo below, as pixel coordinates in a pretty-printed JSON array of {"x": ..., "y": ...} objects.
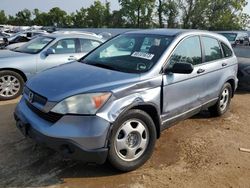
[
  {"x": 195, "y": 14},
  {"x": 22, "y": 17},
  {"x": 97, "y": 15},
  {"x": 79, "y": 18},
  {"x": 3, "y": 17},
  {"x": 170, "y": 11},
  {"x": 213, "y": 14},
  {"x": 137, "y": 13}
]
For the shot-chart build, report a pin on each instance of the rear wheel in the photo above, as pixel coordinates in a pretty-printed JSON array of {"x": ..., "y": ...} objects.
[
  {"x": 223, "y": 102},
  {"x": 132, "y": 140},
  {"x": 11, "y": 85}
]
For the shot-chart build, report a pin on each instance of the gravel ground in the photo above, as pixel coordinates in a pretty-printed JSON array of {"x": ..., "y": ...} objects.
[{"x": 199, "y": 152}]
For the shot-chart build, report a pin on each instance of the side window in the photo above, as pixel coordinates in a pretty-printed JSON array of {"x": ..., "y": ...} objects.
[
  {"x": 226, "y": 50},
  {"x": 87, "y": 45},
  {"x": 188, "y": 51},
  {"x": 65, "y": 46},
  {"x": 212, "y": 49}
]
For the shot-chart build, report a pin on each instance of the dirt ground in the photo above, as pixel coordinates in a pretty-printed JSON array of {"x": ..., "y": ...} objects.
[{"x": 199, "y": 152}]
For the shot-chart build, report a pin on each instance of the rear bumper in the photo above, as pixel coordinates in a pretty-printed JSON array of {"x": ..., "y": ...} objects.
[{"x": 78, "y": 137}]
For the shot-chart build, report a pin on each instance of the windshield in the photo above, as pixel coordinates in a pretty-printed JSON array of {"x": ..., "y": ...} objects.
[
  {"x": 134, "y": 53},
  {"x": 230, "y": 36},
  {"x": 35, "y": 46}
]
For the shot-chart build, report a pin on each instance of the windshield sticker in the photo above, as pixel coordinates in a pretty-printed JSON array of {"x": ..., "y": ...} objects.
[{"x": 143, "y": 55}]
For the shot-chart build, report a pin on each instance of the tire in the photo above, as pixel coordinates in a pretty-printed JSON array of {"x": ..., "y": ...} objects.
[
  {"x": 223, "y": 103},
  {"x": 132, "y": 140},
  {"x": 11, "y": 85}
]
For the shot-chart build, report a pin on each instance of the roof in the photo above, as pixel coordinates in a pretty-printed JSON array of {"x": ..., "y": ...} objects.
[
  {"x": 179, "y": 32},
  {"x": 168, "y": 32},
  {"x": 75, "y": 35}
]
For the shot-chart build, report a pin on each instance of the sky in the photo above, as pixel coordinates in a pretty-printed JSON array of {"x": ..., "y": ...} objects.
[{"x": 13, "y": 6}]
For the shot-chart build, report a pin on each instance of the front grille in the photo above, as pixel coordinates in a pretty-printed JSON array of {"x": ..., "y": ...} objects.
[
  {"x": 50, "y": 116},
  {"x": 36, "y": 97}
]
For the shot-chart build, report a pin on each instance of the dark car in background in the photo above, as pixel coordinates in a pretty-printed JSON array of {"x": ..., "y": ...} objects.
[
  {"x": 236, "y": 37},
  {"x": 243, "y": 55}
]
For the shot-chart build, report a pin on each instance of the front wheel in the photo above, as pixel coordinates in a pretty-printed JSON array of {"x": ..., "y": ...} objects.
[
  {"x": 223, "y": 102},
  {"x": 11, "y": 84},
  {"x": 132, "y": 140}
]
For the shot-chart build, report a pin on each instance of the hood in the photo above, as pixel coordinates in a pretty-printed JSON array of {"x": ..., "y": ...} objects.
[
  {"x": 11, "y": 54},
  {"x": 75, "y": 78}
]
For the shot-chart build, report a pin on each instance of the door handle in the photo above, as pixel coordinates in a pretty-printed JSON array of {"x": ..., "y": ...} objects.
[
  {"x": 224, "y": 64},
  {"x": 200, "y": 71},
  {"x": 72, "y": 58}
]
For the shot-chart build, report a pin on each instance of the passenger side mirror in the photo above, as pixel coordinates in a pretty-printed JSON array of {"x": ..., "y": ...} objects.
[
  {"x": 50, "y": 51},
  {"x": 181, "y": 68}
]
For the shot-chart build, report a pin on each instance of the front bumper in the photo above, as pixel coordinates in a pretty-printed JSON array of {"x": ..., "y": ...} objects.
[{"x": 78, "y": 137}]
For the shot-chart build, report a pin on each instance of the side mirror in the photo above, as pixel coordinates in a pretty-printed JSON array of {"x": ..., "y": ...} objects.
[
  {"x": 181, "y": 68},
  {"x": 50, "y": 51}
]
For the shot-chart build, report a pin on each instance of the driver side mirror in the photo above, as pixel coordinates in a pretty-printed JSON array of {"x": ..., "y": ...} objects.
[
  {"x": 181, "y": 68},
  {"x": 50, "y": 51}
]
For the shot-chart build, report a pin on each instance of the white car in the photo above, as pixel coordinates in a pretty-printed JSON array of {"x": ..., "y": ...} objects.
[{"x": 43, "y": 52}]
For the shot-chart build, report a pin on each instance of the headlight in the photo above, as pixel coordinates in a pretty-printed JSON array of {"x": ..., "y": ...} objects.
[{"x": 82, "y": 104}]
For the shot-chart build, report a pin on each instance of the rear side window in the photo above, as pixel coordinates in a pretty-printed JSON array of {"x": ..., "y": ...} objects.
[
  {"x": 188, "y": 51},
  {"x": 212, "y": 49},
  {"x": 226, "y": 50}
]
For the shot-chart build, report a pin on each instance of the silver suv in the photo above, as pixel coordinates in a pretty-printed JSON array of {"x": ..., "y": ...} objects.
[{"x": 113, "y": 103}]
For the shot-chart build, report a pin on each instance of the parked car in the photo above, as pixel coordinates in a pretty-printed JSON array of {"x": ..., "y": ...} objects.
[
  {"x": 2, "y": 35},
  {"x": 114, "y": 105},
  {"x": 243, "y": 56},
  {"x": 14, "y": 46},
  {"x": 21, "y": 37},
  {"x": 236, "y": 38},
  {"x": 43, "y": 52}
]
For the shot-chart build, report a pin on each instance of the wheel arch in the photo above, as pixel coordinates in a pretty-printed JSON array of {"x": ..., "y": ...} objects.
[
  {"x": 152, "y": 111},
  {"x": 16, "y": 71},
  {"x": 232, "y": 83}
]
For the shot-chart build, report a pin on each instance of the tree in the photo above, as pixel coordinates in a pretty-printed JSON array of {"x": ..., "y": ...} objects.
[
  {"x": 170, "y": 11},
  {"x": 116, "y": 19},
  {"x": 213, "y": 14},
  {"x": 226, "y": 15},
  {"x": 23, "y": 18},
  {"x": 40, "y": 18},
  {"x": 58, "y": 17},
  {"x": 97, "y": 15},
  {"x": 160, "y": 7},
  {"x": 79, "y": 18},
  {"x": 3, "y": 17},
  {"x": 138, "y": 13}
]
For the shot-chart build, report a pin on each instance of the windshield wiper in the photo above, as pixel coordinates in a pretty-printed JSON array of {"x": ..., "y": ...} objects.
[{"x": 104, "y": 66}]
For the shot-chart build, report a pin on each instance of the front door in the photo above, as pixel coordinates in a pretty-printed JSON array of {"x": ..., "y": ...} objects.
[
  {"x": 181, "y": 92},
  {"x": 65, "y": 51}
]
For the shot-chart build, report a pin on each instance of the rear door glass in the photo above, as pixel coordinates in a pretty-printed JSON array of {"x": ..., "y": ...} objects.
[
  {"x": 87, "y": 45},
  {"x": 212, "y": 49},
  {"x": 226, "y": 50}
]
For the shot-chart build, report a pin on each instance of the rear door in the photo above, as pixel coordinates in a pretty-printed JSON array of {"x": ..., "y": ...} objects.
[{"x": 214, "y": 66}]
